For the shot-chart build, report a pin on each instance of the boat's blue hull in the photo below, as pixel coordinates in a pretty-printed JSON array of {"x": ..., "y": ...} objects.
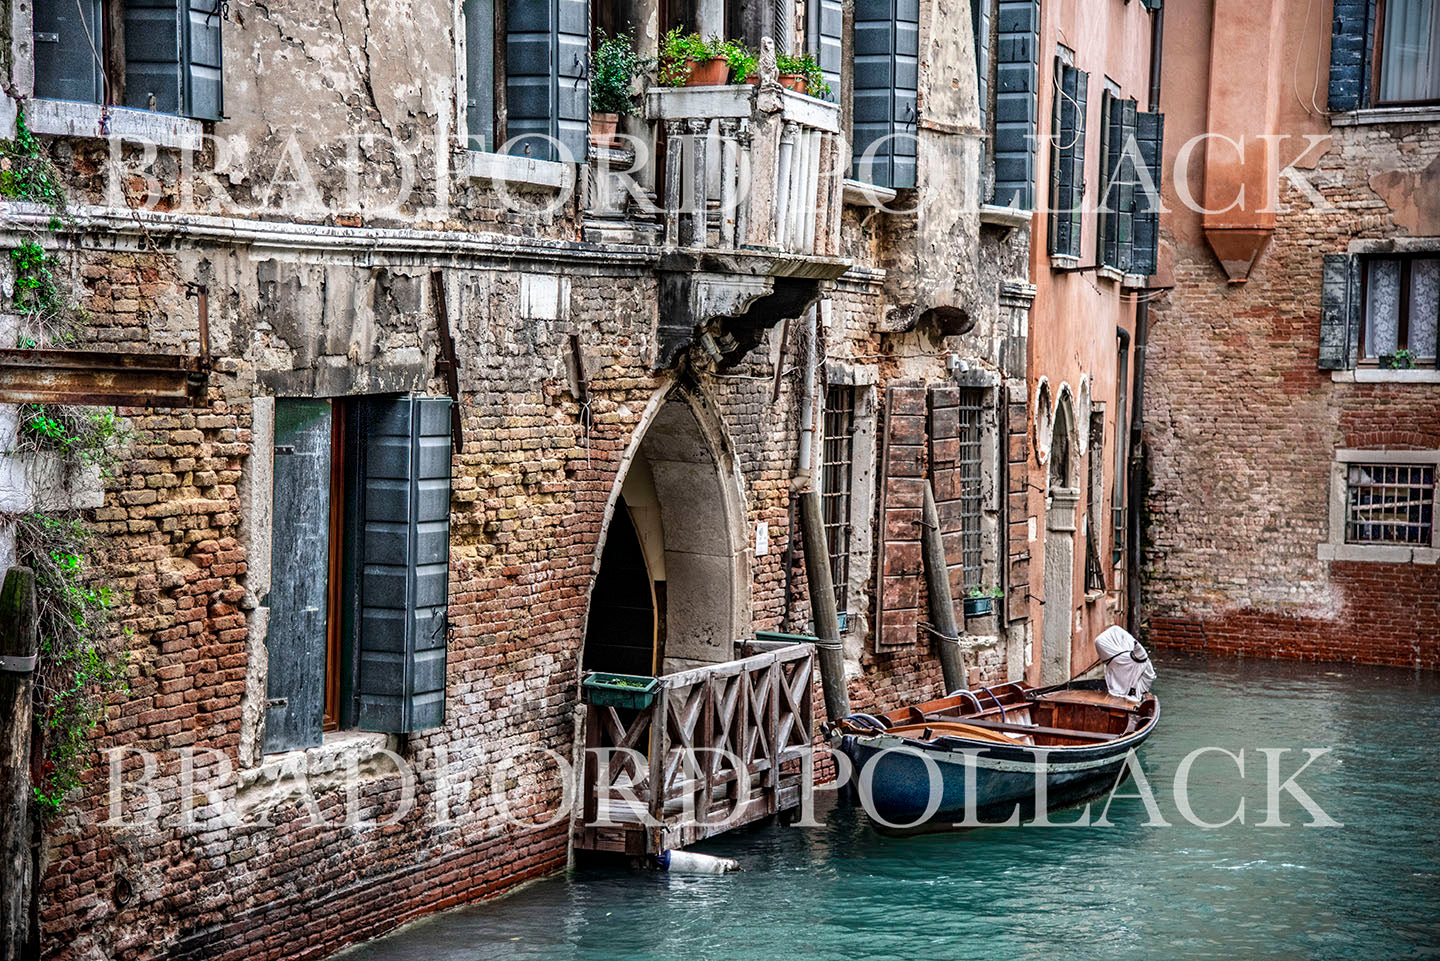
[{"x": 898, "y": 787}]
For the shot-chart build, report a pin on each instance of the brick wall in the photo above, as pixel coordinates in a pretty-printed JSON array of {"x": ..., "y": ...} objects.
[{"x": 1242, "y": 430}]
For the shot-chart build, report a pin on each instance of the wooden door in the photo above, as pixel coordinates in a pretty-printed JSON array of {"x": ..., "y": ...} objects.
[{"x": 299, "y": 579}]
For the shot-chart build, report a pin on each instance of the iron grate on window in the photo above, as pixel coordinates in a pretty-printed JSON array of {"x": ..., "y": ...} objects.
[
  {"x": 1390, "y": 504},
  {"x": 972, "y": 402},
  {"x": 837, "y": 461}
]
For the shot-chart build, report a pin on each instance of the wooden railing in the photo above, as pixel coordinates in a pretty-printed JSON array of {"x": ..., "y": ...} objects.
[
  {"x": 749, "y": 166},
  {"x": 719, "y": 747}
]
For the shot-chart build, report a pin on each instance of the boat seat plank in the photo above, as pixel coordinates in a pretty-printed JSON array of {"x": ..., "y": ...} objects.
[
  {"x": 1033, "y": 729},
  {"x": 1097, "y": 698}
]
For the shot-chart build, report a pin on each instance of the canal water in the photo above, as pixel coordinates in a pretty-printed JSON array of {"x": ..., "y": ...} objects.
[{"x": 1368, "y": 889}]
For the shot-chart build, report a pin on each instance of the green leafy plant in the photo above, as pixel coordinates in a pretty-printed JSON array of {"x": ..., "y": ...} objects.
[
  {"x": 78, "y": 671},
  {"x": 978, "y": 592},
  {"x": 614, "y": 67},
  {"x": 25, "y": 174},
  {"x": 85, "y": 434},
  {"x": 36, "y": 290},
  {"x": 805, "y": 65},
  {"x": 1402, "y": 359},
  {"x": 677, "y": 49},
  {"x": 744, "y": 62}
]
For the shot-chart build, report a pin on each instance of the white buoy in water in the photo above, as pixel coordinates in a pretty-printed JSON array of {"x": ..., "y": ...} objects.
[{"x": 686, "y": 862}]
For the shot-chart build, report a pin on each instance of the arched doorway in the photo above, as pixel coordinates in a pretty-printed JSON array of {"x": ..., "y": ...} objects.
[
  {"x": 671, "y": 590},
  {"x": 1063, "y": 496}
]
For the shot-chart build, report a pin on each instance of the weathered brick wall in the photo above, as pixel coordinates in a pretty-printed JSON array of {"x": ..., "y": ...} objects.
[{"x": 1242, "y": 429}]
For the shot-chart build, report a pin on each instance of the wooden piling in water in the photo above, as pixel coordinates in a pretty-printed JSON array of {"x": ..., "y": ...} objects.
[{"x": 942, "y": 602}]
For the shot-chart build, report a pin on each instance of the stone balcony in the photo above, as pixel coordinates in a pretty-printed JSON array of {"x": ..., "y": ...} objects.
[{"x": 748, "y": 210}]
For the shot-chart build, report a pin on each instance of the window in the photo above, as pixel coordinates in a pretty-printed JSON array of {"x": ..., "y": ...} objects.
[
  {"x": 1390, "y": 504},
  {"x": 1067, "y": 160},
  {"x": 1131, "y": 148},
  {"x": 1408, "y": 56},
  {"x": 480, "y": 73},
  {"x": 356, "y": 635},
  {"x": 836, "y": 486},
  {"x": 971, "y": 452},
  {"x": 886, "y": 91},
  {"x": 1122, "y": 434},
  {"x": 157, "y": 55},
  {"x": 1017, "y": 51},
  {"x": 1384, "y": 53},
  {"x": 1094, "y": 498},
  {"x": 1401, "y": 309}
]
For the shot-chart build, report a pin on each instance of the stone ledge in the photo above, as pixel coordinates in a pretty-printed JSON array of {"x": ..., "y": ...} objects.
[
  {"x": 66, "y": 118},
  {"x": 1378, "y": 553},
  {"x": 1374, "y": 115},
  {"x": 1375, "y": 375},
  {"x": 524, "y": 170},
  {"x": 327, "y": 766},
  {"x": 857, "y": 193},
  {"x": 998, "y": 216}
]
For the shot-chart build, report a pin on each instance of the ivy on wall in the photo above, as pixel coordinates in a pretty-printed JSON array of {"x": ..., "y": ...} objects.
[{"x": 78, "y": 672}]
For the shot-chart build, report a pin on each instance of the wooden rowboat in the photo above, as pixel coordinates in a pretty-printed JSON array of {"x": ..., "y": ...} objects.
[{"x": 1079, "y": 732}]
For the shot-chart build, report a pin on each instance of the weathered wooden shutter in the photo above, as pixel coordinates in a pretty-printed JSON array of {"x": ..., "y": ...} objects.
[
  {"x": 1150, "y": 139},
  {"x": 173, "y": 57},
  {"x": 154, "y": 55},
  {"x": 66, "y": 66},
  {"x": 1348, "y": 36},
  {"x": 295, "y": 640},
  {"x": 1017, "y": 30},
  {"x": 547, "y": 51},
  {"x": 480, "y": 73},
  {"x": 404, "y": 565},
  {"x": 980, "y": 29},
  {"x": 204, "y": 92},
  {"x": 1117, "y": 242},
  {"x": 887, "y": 78},
  {"x": 1067, "y": 161},
  {"x": 948, "y": 482},
  {"x": 1339, "y": 312},
  {"x": 897, "y": 608},
  {"x": 827, "y": 38}
]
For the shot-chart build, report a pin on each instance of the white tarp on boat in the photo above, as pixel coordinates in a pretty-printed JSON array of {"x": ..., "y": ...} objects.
[{"x": 1128, "y": 671}]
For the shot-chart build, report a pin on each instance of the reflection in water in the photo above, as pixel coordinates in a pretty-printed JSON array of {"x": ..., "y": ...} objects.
[{"x": 1368, "y": 889}]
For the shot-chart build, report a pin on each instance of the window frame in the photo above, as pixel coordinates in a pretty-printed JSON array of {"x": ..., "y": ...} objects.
[
  {"x": 1336, "y": 548},
  {"x": 1377, "y": 64},
  {"x": 838, "y": 504},
  {"x": 1402, "y": 321}
]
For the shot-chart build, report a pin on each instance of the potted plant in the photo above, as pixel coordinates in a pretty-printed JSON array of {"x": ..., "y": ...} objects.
[
  {"x": 802, "y": 74},
  {"x": 689, "y": 60},
  {"x": 1402, "y": 359},
  {"x": 744, "y": 64},
  {"x": 980, "y": 601},
  {"x": 614, "y": 66}
]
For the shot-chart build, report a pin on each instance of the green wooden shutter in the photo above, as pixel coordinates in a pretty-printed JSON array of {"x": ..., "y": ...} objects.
[
  {"x": 1118, "y": 199},
  {"x": 204, "y": 93},
  {"x": 1339, "y": 312},
  {"x": 980, "y": 29},
  {"x": 1150, "y": 139},
  {"x": 826, "y": 29},
  {"x": 1349, "y": 34},
  {"x": 1067, "y": 160},
  {"x": 404, "y": 564},
  {"x": 295, "y": 639},
  {"x": 887, "y": 77},
  {"x": 66, "y": 66},
  {"x": 547, "y": 50},
  {"x": 154, "y": 54},
  {"x": 480, "y": 73},
  {"x": 1017, "y": 31},
  {"x": 173, "y": 57}
]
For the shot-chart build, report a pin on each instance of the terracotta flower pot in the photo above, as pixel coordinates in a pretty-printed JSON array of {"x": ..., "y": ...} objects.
[
  {"x": 754, "y": 78},
  {"x": 708, "y": 73},
  {"x": 793, "y": 81},
  {"x": 603, "y": 127}
]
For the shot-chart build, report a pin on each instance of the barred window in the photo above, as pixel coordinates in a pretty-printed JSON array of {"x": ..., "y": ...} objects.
[
  {"x": 972, "y": 403},
  {"x": 837, "y": 469},
  {"x": 1390, "y": 504}
]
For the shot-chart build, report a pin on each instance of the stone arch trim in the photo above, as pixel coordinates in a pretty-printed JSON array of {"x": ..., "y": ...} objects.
[{"x": 729, "y": 484}]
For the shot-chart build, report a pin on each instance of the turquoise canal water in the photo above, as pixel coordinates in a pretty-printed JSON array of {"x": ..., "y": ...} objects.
[{"x": 1369, "y": 889}]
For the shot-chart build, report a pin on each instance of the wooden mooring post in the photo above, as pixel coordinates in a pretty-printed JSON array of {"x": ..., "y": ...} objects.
[
  {"x": 18, "y": 652},
  {"x": 942, "y": 602}
]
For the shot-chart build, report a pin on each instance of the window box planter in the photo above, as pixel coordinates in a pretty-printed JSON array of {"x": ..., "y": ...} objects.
[
  {"x": 979, "y": 606},
  {"x": 629, "y": 691}
]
